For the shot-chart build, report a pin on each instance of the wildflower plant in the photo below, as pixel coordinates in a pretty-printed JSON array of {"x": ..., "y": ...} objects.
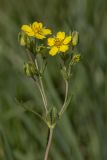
[{"x": 40, "y": 43}]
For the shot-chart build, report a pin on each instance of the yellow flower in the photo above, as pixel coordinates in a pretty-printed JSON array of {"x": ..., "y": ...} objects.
[
  {"x": 36, "y": 30},
  {"x": 60, "y": 43}
]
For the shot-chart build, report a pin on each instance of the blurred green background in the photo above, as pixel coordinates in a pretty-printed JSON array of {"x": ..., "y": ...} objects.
[{"x": 82, "y": 132}]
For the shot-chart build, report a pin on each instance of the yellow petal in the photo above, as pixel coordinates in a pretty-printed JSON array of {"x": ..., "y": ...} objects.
[
  {"x": 51, "y": 41},
  {"x": 60, "y": 35},
  {"x": 67, "y": 40},
  {"x": 28, "y": 30},
  {"x": 36, "y": 25},
  {"x": 39, "y": 36},
  {"x": 46, "y": 31},
  {"x": 40, "y": 25},
  {"x": 53, "y": 51},
  {"x": 63, "y": 48}
]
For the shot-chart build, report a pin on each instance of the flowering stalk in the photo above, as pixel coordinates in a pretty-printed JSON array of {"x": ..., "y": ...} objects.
[{"x": 34, "y": 38}]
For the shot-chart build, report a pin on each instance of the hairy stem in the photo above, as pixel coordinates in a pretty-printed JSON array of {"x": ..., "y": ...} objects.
[
  {"x": 48, "y": 144},
  {"x": 66, "y": 96}
]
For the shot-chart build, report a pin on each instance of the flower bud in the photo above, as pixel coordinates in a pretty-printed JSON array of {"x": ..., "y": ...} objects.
[
  {"x": 75, "y": 38},
  {"x": 41, "y": 49},
  {"x": 76, "y": 58},
  {"x": 23, "y": 39},
  {"x": 29, "y": 69}
]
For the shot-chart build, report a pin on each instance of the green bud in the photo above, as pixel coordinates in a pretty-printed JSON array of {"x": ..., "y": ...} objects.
[
  {"x": 75, "y": 38},
  {"x": 41, "y": 49},
  {"x": 23, "y": 39},
  {"x": 29, "y": 69},
  {"x": 51, "y": 117},
  {"x": 76, "y": 58}
]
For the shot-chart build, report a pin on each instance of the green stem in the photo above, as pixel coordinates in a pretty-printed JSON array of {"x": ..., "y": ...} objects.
[
  {"x": 66, "y": 96},
  {"x": 48, "y": 144},
  {"x": 44, "y": 95},
  {"x": 30, "y": 56},
  {"x": 41, "y": 88},
  {"x": 41, "y": 92}
]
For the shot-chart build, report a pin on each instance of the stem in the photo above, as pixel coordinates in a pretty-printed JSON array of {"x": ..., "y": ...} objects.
[
  {"x": 66, "y": 96},
  {"x": 43, "y": 91},
  {"x": 30, "y": 56},
  {"x": 48, "y": 144},
  {"x": 43, "y": 97},
  {"x": 41, "y": 88}
]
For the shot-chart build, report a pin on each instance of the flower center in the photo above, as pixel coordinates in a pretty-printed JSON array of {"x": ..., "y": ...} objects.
[
  {"x": 39, "y": 31},
  {"x": 58, "y": 42}
]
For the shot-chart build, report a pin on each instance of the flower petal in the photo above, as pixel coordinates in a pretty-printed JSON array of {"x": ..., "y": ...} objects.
[
  {"x": 40, "y": 25},
  {"x": 39, "y": 36},
  {"x": 60, "y": 35},
  {"x": 51, "y": 41},
  {"x": 67, "y": 40},
  {"x": 53, "y": 51},
  {"x": 46, "y": 31},
  {"x": 63, "y": 48},
  {"x": 28, "y": 30},
  {"x": 36, "y": 26}
]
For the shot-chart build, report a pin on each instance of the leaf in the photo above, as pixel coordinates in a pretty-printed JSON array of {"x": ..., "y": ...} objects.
[{"x": 8, "y": 152}]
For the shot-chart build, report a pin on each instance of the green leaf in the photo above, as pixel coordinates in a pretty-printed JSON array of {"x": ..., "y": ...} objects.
[{"x": 8, "y": 152}]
